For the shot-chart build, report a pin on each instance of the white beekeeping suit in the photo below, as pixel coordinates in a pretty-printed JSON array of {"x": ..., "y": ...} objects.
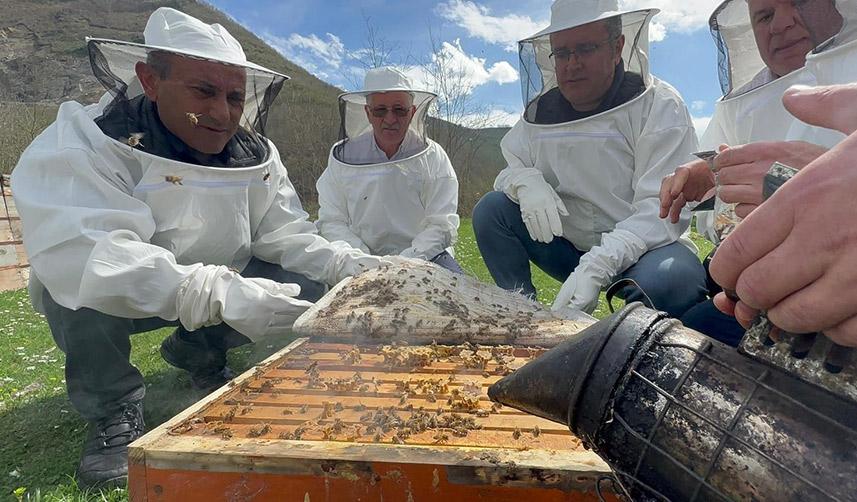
[
  {"x": 605, "y": 169},
  {"x": 111, "y": 227},
  {"x": 401, "y": 205},
  {"x": 751, "y": 108},
  {"x": 835, "y": 63}
]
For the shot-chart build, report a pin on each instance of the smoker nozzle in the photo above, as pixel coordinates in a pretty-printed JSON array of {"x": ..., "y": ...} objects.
[{"x": 589, "y": 363}]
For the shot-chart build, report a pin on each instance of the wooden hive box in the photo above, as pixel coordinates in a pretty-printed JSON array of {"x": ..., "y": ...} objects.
[{"x": 333, "y": 422}]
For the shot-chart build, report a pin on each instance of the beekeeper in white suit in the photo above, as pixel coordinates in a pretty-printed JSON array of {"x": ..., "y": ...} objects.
[
  {"x": 579, "y": 197},
  {"x": 164, "y": 205},
  {"x": 388, "y": 189},
  {"x": 765, "y": 47}
]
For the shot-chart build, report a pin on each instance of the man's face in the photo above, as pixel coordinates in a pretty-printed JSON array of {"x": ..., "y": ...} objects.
[
  {"x": 390, "y": 114},
  {"x": 786, "y": 32},
  {"x": 585, "y": 75},
  {"x": 213, "y": 91}
]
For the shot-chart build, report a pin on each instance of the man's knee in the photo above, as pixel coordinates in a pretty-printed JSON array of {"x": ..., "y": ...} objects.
[
  {"x": 673, "y": 279},
  {"x": 493, "y": 208},
  {"x": 71, "y": 328}
]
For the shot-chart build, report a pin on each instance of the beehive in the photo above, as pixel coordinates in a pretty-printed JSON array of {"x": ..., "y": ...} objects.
[
  {"x": 334, "y": 422},
  {"x": 14, "y": 265}
]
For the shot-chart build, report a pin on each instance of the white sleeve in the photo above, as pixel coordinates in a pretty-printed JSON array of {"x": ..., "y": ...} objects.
[
  {"x": 439, "y": 226},
  {"x": 334, "y": 223},
  {"x": 519, "y": 163},
  {"x": 666, "y": 141},
  {"x": 286, "y": 236},
  {"x": 87, "y": 237}
]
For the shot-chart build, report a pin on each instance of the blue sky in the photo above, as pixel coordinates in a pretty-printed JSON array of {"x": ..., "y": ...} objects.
[{"x": 327, "y": 37}]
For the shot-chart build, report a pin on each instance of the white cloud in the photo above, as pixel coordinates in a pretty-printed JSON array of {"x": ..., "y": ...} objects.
[
  {"x": 503, "y": 118},
  {"x": 323, "y": 57},
  {"x": 488, "y": 117},
  {"x": 465, "y": 70},
  {"x": 682, "y": 16},
  {"x": 657, "y": 32},
  {"x": 330, "y": 60},
  {"x": 479, "y": 23},
  {"x": 698, "y": 105},
  {"x": 700, "y": 124}
]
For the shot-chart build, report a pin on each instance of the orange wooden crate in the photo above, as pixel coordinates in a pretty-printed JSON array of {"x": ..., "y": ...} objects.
[{"x": 240, "y": 442}]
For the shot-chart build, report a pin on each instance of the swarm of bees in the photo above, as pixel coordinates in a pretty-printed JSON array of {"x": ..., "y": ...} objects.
[
  {"x": 259, "y": 430},
  {"x": 463, "y": 401},
  {"x": 315, "y": 381},
  {"x": 327, "y": 410},
  {"x": 458, "y": 399},
  {"x": 224, "y": 431},
  {"x": 355, "y": 383},
  {"x": 352, "y": 356},
  {"x": 407, "y": 357}
]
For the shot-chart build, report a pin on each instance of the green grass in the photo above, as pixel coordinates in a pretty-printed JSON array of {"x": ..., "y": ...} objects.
[{"x": 40, "y": 434}]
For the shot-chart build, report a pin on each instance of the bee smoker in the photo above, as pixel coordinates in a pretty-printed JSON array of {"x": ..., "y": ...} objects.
[{"x": 679, "y": 416}]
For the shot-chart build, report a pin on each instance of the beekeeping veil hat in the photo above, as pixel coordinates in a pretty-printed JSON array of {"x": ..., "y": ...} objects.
[
  {"x": 538, "y": 75},
  {"x": 354, "y": 107},
  {"x": 173, "y": 32},
  {"x": 741, "y": 69}
]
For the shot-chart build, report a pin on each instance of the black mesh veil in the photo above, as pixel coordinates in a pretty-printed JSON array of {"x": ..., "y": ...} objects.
[
  {"x": 538, "y": 75},
  {"x": 113, "y": 64},
  {"x": 356, "y": 131}
]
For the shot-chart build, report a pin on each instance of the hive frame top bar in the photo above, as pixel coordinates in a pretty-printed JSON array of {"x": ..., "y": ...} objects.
[{"x": 158, "y": 449}]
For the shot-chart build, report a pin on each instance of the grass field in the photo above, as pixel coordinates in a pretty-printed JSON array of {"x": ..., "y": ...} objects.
[{"x": 41, "y": 434}]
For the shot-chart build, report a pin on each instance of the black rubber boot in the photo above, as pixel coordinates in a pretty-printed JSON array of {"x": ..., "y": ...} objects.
[{"x": 104, "y": 461}]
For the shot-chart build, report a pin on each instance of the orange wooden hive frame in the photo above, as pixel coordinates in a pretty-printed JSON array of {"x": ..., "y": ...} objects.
[{"x": 230, "y": 445}]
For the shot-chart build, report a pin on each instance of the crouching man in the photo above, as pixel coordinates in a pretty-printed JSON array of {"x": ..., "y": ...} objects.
[
  {"x": 579, "y": 197},
  {"x": 388, "y": 189},
  {"x": 163, "y": 205}
]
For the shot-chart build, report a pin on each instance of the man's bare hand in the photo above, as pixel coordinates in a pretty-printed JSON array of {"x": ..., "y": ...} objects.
[
  {"x": 823, "y": 106},
  {"x": 795, "y": 255},
  {"x": 691, "y": 182},
  {"x": 741, "y": 169}
]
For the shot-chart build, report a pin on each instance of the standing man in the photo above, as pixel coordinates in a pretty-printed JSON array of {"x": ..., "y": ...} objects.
[
  {"x": 164, "y": 205},
  {"x": 579, "y": 197},
  {"x": 388, "y": 189}
]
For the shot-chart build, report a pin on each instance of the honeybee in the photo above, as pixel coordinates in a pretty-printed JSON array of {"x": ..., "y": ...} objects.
[
  {"x": 193, "y": 118},
  {"x": 134, "y": 141},
  {"x": 266, "y": 177},
  {"x": 175, "y": 180}
]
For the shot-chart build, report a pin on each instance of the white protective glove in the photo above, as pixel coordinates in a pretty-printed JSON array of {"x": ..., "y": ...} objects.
[
  {"x": 541, "y": 208},
  {"x": 581, "y": 290},
  {"x": 254, "y": 307},
  {"x": 412, "y": 252},
  {"x": 355, "y": 262}
]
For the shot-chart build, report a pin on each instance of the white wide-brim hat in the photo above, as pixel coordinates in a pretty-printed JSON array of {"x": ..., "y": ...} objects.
[
  {"x": 386, "y": 79},
  {"x": 172, "y": 31},
  {"x": 566, "y": 14}
]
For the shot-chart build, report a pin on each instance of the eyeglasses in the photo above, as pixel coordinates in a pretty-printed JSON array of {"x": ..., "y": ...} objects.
[
  {"x": 582, "y": 51},
  {"x": 398, "y": 111}
]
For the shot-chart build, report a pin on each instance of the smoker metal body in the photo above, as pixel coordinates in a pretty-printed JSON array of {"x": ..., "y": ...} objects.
[{"x": 679, "y": 416}]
